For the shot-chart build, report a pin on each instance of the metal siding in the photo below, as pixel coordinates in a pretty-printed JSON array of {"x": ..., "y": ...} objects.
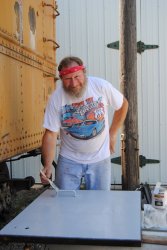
[
  {"x": 96, "y": 44},
  {"x": 77, "y": 17},
  {"x": 163, "y": 88},
  {"x": 111, "y": 26},
  {"x": 86, "y": 32},
  {"x": 150, "y": 138},
  {"x": 63, "y": 29},
  {"x": 26, "y": 167}
]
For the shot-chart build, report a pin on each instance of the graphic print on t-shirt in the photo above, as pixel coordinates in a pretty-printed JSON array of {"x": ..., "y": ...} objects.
[{"x": 85, "y": 119}]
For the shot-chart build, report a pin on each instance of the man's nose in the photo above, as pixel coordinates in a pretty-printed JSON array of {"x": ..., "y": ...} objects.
[{"x": 73, "y": 82}]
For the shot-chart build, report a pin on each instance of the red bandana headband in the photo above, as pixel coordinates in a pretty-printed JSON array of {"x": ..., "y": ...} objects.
[{"x": 70, "y": 70}]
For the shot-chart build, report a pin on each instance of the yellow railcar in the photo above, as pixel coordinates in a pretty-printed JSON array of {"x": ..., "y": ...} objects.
[{"x": 27, "y": 72}]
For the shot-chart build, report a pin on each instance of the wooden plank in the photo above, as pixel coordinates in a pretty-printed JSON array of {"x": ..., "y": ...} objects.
[{"x": 154, "y": 237}]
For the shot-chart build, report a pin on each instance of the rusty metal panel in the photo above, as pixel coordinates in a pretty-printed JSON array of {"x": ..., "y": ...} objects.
[
  {"x": 9, "y": 21},
  {"x": 23, "y": 99},
  {"x": 10, "y": 101},
  {"x": 39, "y": 27},
  {"x": 50, "y": 45},
  {"x": 27, "y": 75},
  {"x": 33, "y": 25},
  {"x": 32, "y": 106},
  {"x": 25, "y": 86}
]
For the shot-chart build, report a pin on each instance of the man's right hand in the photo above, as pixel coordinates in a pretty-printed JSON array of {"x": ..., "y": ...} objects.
[
  {"x": 48, "y": 172},
  {"x": 48, "y": 153}
]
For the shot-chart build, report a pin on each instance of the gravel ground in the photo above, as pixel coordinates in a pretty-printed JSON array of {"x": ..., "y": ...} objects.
[{"x": 19, "y": 202}]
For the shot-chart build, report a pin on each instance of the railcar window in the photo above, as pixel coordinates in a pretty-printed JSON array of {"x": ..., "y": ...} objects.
[
  {"x": 17, "y": 11},
  {"x": 32, "y": 19}
]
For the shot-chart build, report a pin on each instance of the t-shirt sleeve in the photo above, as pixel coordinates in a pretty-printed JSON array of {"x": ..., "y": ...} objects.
[
  {"x": 52, "y": 117},
  {"x": 114, "y": 96}
]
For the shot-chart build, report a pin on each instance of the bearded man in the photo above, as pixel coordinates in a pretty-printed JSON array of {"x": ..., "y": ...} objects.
[{"x": 78, "y": 112}]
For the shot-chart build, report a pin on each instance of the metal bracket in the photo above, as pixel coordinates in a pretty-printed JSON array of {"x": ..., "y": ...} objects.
[
  {"x": 141, "y": 47},
  {"x": 146, "y": 196},
  {"x": 51, "y": 40},
  {"x": 49, "y": 75},
  {"x": 54, "y": 8},
  {"x": 142, "y": 161},
  {"x": 114, "y": 45}
]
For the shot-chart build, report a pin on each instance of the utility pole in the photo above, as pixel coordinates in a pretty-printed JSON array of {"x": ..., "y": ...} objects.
[{"x": 128, "y": 81}]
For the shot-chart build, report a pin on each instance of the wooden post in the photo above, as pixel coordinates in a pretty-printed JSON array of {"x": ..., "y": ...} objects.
[{"x": 128, "y": 81}]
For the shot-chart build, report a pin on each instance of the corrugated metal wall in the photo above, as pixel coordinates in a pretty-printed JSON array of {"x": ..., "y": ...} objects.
[
  {"x": 84, "y": 28},
  {"x": 149, "y": 89},
  {"x": 25, "y": 167},
  {"x": 152, "y": 77}
]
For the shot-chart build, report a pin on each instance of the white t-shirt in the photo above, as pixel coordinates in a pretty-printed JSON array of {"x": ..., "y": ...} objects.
[{"x": 83, "y": 122}]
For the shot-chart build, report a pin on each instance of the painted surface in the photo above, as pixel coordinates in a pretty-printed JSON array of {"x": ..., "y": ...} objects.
[{"x": 100, "y": 217}]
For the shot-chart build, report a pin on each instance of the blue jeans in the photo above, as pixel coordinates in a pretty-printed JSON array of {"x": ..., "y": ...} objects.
[{"x": 69, "y": 173}]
